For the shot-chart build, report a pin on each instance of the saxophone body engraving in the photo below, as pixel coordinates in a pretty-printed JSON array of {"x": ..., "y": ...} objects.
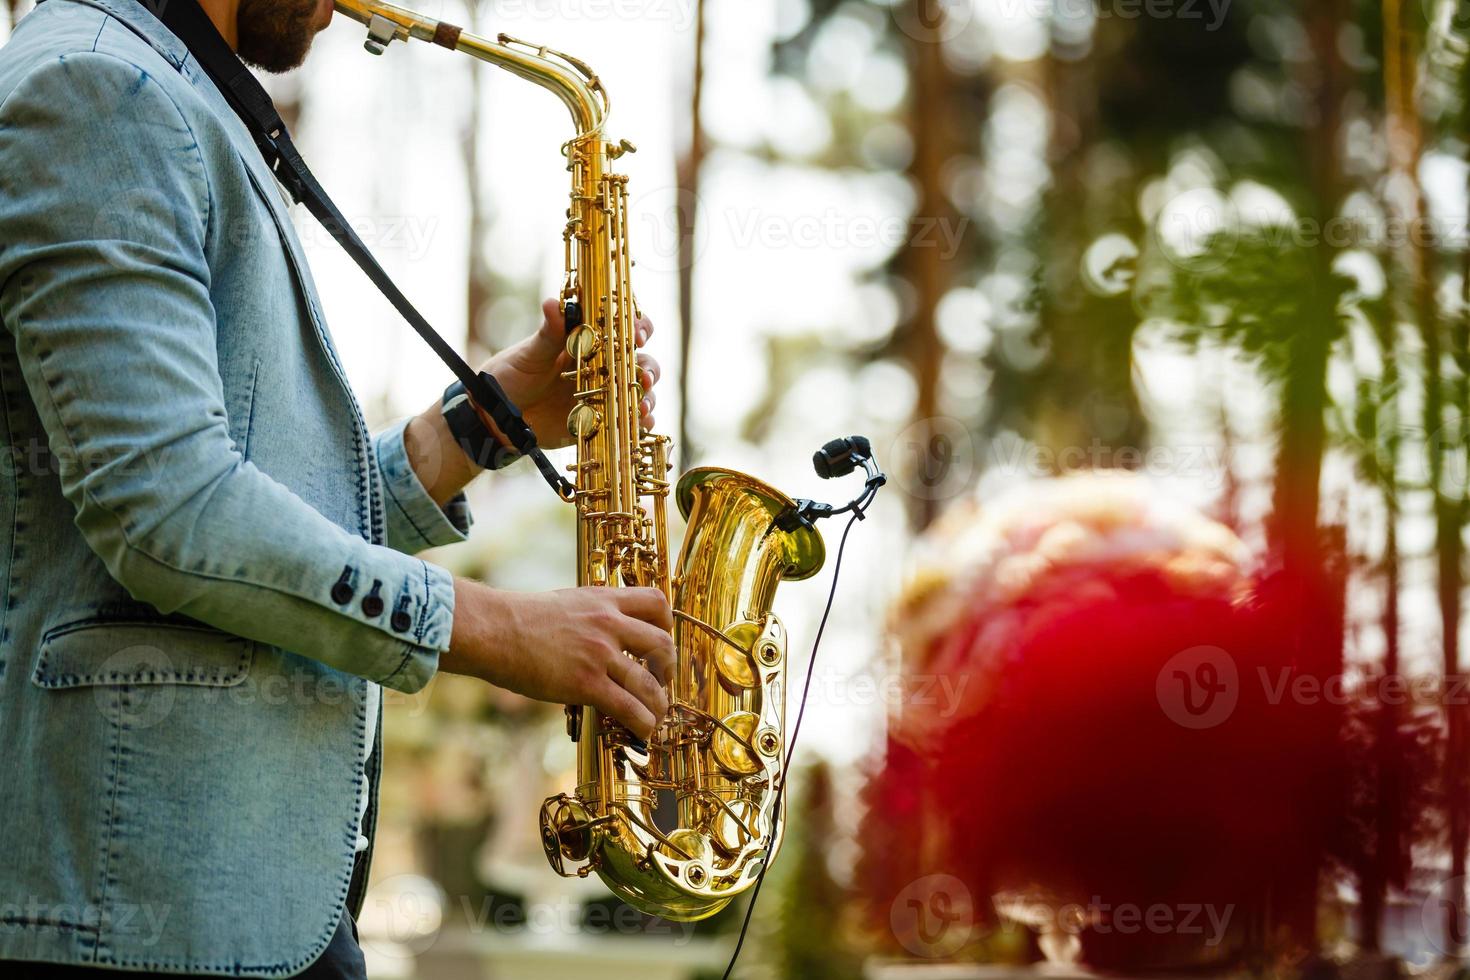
[{"x": 679, "y": 826}]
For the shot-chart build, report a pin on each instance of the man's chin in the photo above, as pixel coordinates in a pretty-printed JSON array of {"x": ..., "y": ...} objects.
[{"x": 275, "y": 35}]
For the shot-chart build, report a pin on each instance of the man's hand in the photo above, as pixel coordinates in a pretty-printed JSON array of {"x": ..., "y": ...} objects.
[
  {"x": 568, "y": 647},
  {"x": 530, "y": 372}
]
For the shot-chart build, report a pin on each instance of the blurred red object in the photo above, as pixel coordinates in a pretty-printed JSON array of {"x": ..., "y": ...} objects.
[{"x": 1139, "y": 744}]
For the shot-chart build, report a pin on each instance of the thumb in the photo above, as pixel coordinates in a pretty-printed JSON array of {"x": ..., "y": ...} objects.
[
  {"x": 540, "y": 350},
  {"x": 554, "y": 326}
]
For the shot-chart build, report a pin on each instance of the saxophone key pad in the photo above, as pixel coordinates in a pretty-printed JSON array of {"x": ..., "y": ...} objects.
[{"x": 732, "y": 741}]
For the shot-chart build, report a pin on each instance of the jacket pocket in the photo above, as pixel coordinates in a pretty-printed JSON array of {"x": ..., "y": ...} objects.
[{"x": 92, "y": 652}]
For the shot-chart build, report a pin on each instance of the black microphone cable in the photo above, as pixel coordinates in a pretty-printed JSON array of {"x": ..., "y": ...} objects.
[{"x": 811, "y": 671}]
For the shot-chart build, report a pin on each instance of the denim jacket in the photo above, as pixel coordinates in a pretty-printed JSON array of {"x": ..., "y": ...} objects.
[{"x": 204, "y": 556}]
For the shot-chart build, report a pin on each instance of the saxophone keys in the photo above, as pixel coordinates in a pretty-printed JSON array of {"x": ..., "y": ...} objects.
[
  {"x": 584, "y": 421},
  {"x": 732, "y": 745},
  {"x": 732, "y": 661},
  {"x": 771, "y": 647},
  {"x": 581, "y": 341},
  {"x": 738, "y": 827},
  {"x": 690, "y": 845},
  {"x": 748, "y": 644},
  {"x": 567, "y": 831}
]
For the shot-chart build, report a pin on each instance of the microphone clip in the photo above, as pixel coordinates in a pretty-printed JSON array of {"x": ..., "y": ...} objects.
[
  {"x": 837, "y": 458},
  {"x": 805, "y": 514}
]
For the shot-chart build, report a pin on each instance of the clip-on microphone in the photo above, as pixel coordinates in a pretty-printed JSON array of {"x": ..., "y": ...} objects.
[{"x": 837, "y": 458}]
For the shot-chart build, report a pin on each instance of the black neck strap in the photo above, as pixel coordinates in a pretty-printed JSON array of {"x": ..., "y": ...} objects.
[{"x": 188, "y": 22}]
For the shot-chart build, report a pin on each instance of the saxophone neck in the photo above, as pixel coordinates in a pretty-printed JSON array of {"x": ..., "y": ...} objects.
[{"x": 568, "y": 78}]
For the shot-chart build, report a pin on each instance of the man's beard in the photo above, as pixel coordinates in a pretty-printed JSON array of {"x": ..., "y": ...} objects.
[{"x": 274, "y": 35}]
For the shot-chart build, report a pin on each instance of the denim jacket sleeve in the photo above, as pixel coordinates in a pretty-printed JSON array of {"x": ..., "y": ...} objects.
[
  {"x": 415, "y": 521},
  {"x": 115, "y": 332}
]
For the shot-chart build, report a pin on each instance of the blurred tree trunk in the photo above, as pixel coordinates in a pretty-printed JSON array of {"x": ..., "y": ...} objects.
[
  {"x": 479, "y": 289},
  {"x": 689, "y": 167},
  {"x": 1383, "y": 862},
  {"x": 1406, "y": 156},
  {"x": 1406, "y": 146},
  {"x": 1304, "y": 392},
  {"x": 1090, "y": 336},
  {"x": 924, "y": 265},
  {"x": 1309, "y": 581},
  {"x": 1384, "y": 865}
]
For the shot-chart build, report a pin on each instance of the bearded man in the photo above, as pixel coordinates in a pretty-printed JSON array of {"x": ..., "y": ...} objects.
[{"x": 206, "y": 561}]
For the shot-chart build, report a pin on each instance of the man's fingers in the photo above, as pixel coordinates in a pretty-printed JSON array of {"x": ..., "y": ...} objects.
[
  {"x": 652, "y": 645},
  {"x": 554, "y": 326},
  {"x": 613, "y": 701},
  {"x": 634, "y": 678},
  {"x": 644, "y": 330},
  {"x": 647, "y": 604},
  {"x": 650, "y": 371}
]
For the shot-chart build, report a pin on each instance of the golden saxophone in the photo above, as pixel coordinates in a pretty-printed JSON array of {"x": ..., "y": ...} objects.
[{"x": 681, "y": 825}]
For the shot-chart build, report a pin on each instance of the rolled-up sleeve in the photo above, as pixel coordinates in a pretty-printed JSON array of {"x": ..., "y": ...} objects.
[
  {"x": 415, "y": 521},
  {"x": 115, "y": 334}
]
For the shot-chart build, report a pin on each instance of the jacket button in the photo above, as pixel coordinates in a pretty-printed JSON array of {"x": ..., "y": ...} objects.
[
  {"x": 342, "y": 591},
  {"x": 372, "y": 603},
  {"x": 401, "y": 620}
]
